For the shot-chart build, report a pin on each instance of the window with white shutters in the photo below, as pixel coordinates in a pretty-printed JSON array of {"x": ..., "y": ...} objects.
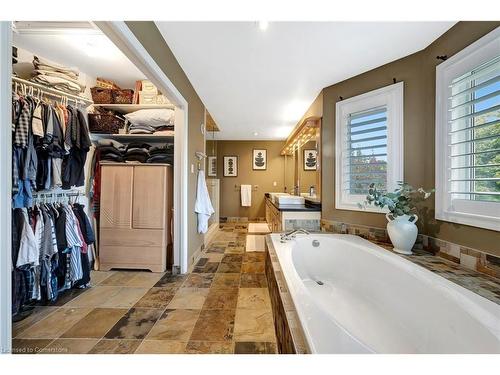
[
  {"x": 369, "y": 145},
  {"x": 468, "y": 135},
  {"x": 366, "y": 154}
]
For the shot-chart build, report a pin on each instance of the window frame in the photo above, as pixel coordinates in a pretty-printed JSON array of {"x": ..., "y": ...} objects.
[
  {"x": 469, "y": 212},
  {"x": 392, "y": 97}
]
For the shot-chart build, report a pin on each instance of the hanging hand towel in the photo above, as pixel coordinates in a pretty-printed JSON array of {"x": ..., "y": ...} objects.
[
  {"x": 246, "y": 195},
  {"x": 203, "y": 206}
]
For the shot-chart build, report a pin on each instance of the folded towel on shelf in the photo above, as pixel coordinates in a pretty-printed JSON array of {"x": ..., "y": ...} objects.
[
  {"x": 57, "y": 83},
  {"x": 43, "y": 64},
  {"x": 246, "y": 195},
  {"x": 39, "y": 72}
]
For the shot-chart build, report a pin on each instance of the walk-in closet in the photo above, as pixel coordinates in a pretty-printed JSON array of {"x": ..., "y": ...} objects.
[{"x": 92, "y": 177}]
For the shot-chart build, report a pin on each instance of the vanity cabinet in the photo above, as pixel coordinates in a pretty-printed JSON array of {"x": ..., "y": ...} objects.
[
  {"x": 273, "y": 216},
  {"x": 292, "y": 217}
]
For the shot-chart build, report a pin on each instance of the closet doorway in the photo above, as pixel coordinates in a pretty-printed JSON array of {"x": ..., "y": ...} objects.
[{"x": 119, "y": 34}]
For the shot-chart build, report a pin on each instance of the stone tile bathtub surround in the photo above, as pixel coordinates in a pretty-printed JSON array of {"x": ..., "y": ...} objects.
[
  {"x": 469, "y": 268},
  {"x": 290, "y": 338},
  {"x": 469, "y": 258},
  {"x": 214, "y": 309}
]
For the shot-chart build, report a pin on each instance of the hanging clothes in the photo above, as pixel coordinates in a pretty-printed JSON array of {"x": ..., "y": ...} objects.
[
  {"x": 49, "y": 252},
  {"x": 50, "y": 146}
]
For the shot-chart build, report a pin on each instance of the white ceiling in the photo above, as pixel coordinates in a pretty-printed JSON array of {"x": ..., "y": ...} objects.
[
  {"x": 85, "y": 48},
  {"x": 263, "y": 81}
]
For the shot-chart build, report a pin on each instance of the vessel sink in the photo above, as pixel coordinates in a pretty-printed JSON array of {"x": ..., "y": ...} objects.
[
  {"x": 274, "y": 195},
  {"x": 289, "y": 199}
]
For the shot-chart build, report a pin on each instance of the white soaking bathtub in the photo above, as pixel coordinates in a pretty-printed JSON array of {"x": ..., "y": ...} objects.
[{"x": 353, "y": 296}]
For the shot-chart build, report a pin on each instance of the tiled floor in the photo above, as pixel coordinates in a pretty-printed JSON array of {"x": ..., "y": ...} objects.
[{"x": 223, "y": 306}]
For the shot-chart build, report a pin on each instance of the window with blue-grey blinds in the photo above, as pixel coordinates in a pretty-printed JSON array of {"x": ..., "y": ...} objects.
[
  {"x": 474, "y": 134},
  {"x": 367, "y": 151}
]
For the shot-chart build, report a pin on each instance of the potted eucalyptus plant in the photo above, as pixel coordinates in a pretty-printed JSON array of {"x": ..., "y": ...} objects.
[{"x": 402, "y": 213}]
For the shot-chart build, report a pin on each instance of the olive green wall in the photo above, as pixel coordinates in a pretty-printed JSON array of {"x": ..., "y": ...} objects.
[
  {"x": 230, "y": 202},
  {"x": 418, "y": 72},
  {"x": 149, "y": 36}
]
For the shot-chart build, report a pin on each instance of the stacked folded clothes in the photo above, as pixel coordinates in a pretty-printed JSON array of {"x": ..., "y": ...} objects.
[
  {"x": 57, "y": 76},
  {"x": 161, "y": 154},
  {"x": 111, "y": 150},
  {"x": 137, "y": 151},
  {"x": 140, "y": 129},
  {"x": 148, "y": 121}
]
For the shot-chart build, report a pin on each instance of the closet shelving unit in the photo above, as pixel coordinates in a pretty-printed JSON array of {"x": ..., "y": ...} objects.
[
  {"x": 120, "y": 108},
  {"x": 128, "y": 108}
]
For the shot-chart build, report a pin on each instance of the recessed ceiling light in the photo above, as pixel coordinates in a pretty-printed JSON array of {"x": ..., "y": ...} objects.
[
  {"x": 255, "y": 133},
  {"x": 263, "y": 25}
]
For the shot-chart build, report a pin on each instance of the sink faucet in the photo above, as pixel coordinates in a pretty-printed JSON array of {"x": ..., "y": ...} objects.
[{"x": 291, "y": 234}]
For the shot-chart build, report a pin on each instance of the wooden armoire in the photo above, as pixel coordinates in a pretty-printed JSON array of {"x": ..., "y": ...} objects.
[{"x": 135, "y": 218}]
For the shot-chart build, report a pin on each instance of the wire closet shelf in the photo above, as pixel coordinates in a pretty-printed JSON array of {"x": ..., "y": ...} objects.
[{"x": 25, "y": 85}]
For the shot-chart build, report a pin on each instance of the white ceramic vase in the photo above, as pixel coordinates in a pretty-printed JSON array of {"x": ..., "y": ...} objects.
[{"x": 402, "y": 232}]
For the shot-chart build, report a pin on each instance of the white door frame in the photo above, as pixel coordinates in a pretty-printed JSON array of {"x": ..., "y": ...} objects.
[
  {"x": 5, "y": 187},
  {"x": 119, "y": 33}
]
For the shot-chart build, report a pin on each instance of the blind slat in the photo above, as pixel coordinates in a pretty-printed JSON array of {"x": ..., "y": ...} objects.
[
  {"x": 475, "y": 140},
  {"x": 475, "y": 179},
  {"x": 368, "y": 122},
  {"x": 477, "y": 166},
  {"x": 370, "y": 112},
  {"x": 369, "y": 139},
  {"x": 486, "y": 124},
  {"x": 475, "y": 114},
  {"x": 475, "y": 153},
  {"x": 475, "y": 193},
  {"x": 475, "y": 101},
  {"x": 369, "y": 130}
]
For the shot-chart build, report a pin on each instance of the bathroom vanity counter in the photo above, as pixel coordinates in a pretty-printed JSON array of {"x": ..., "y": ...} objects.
[
  {"x": 284, "y": 217},
  {"x": 309, "y": 206}
]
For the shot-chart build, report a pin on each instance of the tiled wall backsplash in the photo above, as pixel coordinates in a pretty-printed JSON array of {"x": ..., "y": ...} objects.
[
  {"x": 310, "y": 225},
  {"x": 239, "y": 219},
  {"x": 469, "y": 258}
]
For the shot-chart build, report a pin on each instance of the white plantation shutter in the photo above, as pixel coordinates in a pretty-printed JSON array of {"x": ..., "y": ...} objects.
[
  {"x": 474, "y": 134},
  {"x": 366, "y": 153},
  {"x": 369, "y": 145},
  {"x": 468, "y": 135}
]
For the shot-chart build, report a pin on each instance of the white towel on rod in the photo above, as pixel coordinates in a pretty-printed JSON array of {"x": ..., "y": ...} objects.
[
  {"x": 203, "y": 205},
  {"x": 246, "y": 195}
]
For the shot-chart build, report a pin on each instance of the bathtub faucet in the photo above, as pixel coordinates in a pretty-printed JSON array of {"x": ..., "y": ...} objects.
[{"x": 289, "y": 235}]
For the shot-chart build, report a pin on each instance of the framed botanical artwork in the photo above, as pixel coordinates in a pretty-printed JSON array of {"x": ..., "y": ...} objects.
[
  {"x": 212, "y": 166},
  {"x": 259, "y": 160},
  {"x": 230, "y": 166},
  {"x": 310, "y": 159}
]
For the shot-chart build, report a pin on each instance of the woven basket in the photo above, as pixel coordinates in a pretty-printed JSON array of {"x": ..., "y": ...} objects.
[
  {"x": 102, "y": 96},
  {"x": 124, "y": 96},
  {"x": 105, "y": 123},
  {"x": 106, "y": 84}
]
